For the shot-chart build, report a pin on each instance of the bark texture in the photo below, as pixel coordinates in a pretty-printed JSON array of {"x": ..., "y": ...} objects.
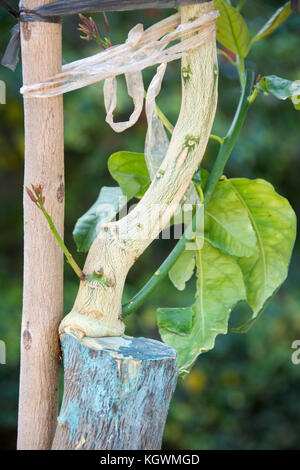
[
  {"x": 43, "y": 259},
  {"x": 97, "y": 309},
  {"x": 116, "y": 393}
]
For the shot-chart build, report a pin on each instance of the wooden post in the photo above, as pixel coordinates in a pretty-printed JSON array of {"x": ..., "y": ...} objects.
[
  {"x": 43, "y": 259},
  {"x": 116, "y": 393}
]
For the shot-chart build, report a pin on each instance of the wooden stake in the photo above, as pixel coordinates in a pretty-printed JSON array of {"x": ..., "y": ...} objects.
[
  {"x": 116, "y": 394},
  {"x": 43, "y": 259}
]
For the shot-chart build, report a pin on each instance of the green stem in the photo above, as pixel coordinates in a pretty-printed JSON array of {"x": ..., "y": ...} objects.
[
  {"x": 254, "y": 95},
  {"x": 170, "y": 126},
  {"x": 60, "y": 241},
  {"x": 223, "y": 53},
  {"x": 164, "y": 120},
  {"x": 217, "y": 138},
  {"x": 231, "y": 137},
  {"x": 217, "y": 172},
  {"x": 240, "y": 64},
  {"x": 240, "y": 5}
]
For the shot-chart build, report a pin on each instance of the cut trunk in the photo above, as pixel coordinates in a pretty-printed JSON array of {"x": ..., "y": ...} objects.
[
  {"x": 43, "y": 259},
  {"x": 116, "y": 393}
]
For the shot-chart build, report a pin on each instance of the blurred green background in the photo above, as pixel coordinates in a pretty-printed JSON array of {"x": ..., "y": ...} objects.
[{"x": 244, "y": 393}]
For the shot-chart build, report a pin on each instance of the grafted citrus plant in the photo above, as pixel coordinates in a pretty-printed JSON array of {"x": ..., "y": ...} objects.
[{"x": 241, "y": 249}]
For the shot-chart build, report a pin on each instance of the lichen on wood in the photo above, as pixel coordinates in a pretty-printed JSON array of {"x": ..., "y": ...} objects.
[{"x": 116, "y": 393}]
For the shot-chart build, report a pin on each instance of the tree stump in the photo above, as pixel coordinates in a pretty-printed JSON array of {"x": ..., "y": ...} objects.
[{"x": 117, "y": 392}]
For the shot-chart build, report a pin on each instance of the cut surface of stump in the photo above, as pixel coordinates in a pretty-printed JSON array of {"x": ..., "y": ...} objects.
[{"x": 116, "y": 393}]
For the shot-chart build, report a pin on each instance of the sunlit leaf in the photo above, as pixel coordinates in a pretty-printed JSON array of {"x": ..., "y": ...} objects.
[
  {"x": 129, "y": 169},
  {"x": 232, "y": 30},
  {"x": 227, "y": 223},
  {"x": 281, "y": 88},
  {"x": 183, "y": 269},
  {"x": 109, "y": 203},
  {"x": 274, "y": 222},
  {"x": 193, "y": 330},
  {"x": 176, "y": 320},
  {"x": 279, "y": 17}
]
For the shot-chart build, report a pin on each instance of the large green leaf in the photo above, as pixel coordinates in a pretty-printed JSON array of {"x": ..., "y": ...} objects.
[
  {"x": 192, "y": 331},
  {"x": 274, "y": 222},
  {"x": 232, "y": 30},
  {"x": 281, "y": 88},
  {"x": 176, "y": 320},
  {"x": 129, "y": 169},
  {"x": 279, "y": 17},
  {"x": 183, "y": 269},
  {"x": 109, "y": 203},
  {"x": 227, "y": 224}
]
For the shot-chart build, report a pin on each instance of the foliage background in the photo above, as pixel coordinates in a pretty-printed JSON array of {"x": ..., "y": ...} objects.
[{"x": 243, "y": 394}]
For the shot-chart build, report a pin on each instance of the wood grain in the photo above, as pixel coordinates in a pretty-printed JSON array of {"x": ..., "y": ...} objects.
[
  {"x": 43, "y": 260},
  {"x": 116, "y": 393}
]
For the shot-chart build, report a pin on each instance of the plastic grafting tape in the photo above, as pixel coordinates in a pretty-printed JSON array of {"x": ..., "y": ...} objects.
[
  {"x": 31, "y": 15},
  {"x": 70, "y": 7},
  {"x": 11, "y": 55},
  {"x": 51, "y": 12}
]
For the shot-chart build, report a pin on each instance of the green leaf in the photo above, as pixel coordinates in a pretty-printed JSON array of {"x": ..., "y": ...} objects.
[
  {"x": 232, "y": 30},
  {"x": 183, "y": 269},
  {"x": 227, "y": 224},
  {"x": 281, "y": 88},
  {"x": 110, "y": 201},
  {"x": 129, "y": 169},
  {"x": 176, "y": 320},
  {"x": 279, "y": 17},
  {"x": 192, "y": 331},
  {"x": 274, "y": 222},
  {"x": 296, "y": 102}
]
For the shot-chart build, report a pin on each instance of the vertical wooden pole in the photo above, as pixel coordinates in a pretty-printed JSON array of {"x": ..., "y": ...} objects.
[{"x": 43, "y": 260}]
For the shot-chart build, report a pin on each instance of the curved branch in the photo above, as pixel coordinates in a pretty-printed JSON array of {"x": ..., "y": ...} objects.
[
  {"x": 97, "y": 309},
  {"x": 217, "y": 171}
]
